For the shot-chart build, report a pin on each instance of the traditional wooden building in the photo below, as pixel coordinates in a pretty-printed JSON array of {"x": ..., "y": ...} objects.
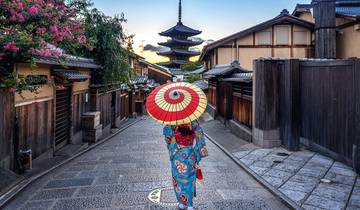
[
  {"x": 230, "y": 97},
  {"x": 283, "y": 36},
  {"x": 341, "y": 19},
  {"x": 155, "y": 72},
  {"x": 51, "y": 117}
]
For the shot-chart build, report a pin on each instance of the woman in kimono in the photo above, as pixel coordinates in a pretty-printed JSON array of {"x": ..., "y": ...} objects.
[{"x": 186, "y": 145}]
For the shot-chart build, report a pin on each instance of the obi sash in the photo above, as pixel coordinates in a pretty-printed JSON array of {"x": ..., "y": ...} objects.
[{"x": 184, "y": 140}]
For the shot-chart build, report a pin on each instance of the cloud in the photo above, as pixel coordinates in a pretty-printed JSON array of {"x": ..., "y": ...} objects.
[
  {"x": 194, "y": 49},
  {"x": 153, "y": 48}
]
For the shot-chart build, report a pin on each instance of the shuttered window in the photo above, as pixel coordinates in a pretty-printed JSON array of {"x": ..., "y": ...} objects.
[
  {"x": 300, "y": 37},
  {"x": 264, "y": 38},
  {"x": 282, "y": 35}
]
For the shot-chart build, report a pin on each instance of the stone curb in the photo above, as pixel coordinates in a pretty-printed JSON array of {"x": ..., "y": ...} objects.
[
  {"x": 4, "y": 199},
  {"x": 287, "y": 201}
]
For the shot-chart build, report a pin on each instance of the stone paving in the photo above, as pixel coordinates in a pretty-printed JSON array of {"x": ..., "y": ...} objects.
[
  {"x": 298, "y": 175},
  {"x": 121, "y": 173}
]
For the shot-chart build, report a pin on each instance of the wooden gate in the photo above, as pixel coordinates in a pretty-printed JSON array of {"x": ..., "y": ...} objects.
[
  {"x": 225, "y": 99},
  {"x": 62, "y": 117}
]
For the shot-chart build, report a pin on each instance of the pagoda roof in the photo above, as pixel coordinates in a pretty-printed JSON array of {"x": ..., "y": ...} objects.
[
  {"x": 180, "y": 42},
  {"x": 180, "y": 30},
  {"x": 179, "y": 52},
  {"x": 173, "y": 63}
]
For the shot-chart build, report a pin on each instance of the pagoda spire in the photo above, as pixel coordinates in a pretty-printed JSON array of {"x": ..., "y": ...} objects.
[{"x": 180, "y": 11}]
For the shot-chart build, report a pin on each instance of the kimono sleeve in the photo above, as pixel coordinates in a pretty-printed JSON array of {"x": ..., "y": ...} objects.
[
  {"x": 200, "y": 146},
  {"x": 169, "y": 134}
]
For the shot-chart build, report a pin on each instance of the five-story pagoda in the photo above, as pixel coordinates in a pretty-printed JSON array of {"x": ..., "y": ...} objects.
[{"x": 179, "y": 44}]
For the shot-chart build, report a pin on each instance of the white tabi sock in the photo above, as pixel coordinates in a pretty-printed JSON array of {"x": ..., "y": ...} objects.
[{"x": 190, "y": 208}]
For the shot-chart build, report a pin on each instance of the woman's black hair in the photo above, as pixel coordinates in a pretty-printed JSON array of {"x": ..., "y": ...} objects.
[{"x": 185, "y": 131}]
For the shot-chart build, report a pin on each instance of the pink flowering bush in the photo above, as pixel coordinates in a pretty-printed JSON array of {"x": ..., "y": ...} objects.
[{"x": 30, "y": 28}]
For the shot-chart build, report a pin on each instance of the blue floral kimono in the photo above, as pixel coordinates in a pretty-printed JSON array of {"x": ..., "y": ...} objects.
[{"x": 183, "y": 161}]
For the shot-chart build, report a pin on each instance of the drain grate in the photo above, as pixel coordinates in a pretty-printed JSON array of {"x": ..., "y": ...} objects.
[
  {"x": 155, "y": 197},
  {"x": 277, "y": 161}
]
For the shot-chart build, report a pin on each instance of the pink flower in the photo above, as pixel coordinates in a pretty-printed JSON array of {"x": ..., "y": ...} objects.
[
  {"x": 54, "y": 29},
  {"x": 32, "y": 50},
  {"x": 17, "y": 17},
  {"x": 47, "y": 15},
  {"x": 33, "y": 10},
  {"x": 44, "y": 52},
  {"x": 20, "y": 17},
  {"x": 13, "y": 18},
  {"x": 56, "y": 53},
  {"x": 11, "y": 46},
  {"x": 81, "y": 39},
  {"x": 41, "y": 30}
]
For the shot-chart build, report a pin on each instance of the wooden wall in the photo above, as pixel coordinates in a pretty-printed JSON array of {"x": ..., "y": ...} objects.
[
  {"x": 79, "y": 108},
  {"x": 6, "y": 129},
  {"x": 105, "y": 108},
  {"x": 242, "y": 104},
  {"x": 212, "y": 93},
  {"x": 35, "y": 122},
  {"x": 124, "y": 105},
  {"x": 315, "y": 101},
  {"x": 113, "y": 105},
  {"x": 328, "y": 103}
]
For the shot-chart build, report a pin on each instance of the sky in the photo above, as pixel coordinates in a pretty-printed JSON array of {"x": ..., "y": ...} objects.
[{"x": 215, "y": 18}]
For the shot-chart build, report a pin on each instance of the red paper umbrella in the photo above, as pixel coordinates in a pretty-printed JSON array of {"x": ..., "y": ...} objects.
[{"x": 176, "y": 103}]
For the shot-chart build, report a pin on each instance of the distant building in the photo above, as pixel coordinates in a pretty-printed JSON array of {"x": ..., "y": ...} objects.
[
  {"x": 151, "y": 71},
  {"x": 296, "y": 35},
  {"x": 179, "y": 44},
  {"x": 341, "y": 26},
  {"x": 283, "y": 36}
]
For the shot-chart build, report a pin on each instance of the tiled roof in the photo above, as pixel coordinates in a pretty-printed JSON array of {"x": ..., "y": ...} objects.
[
  {"x": 173, "y": 63},
  {"x": 71, "y": 75},
  {"x": 223, "y": 70},
  {"x": 343, "y": 7},
  {"x": 140, "y": 80},
  {"x": 201, "y": 84},
  {"x": 179, "y": 72},
  {"x": 178, "y": 52},
  {"x": 240, "y": 77},
  {"x": 348, "y": 11},
  {"x": 183, "y": 42},
  {"x": 199, "y": 71},
  {"x": 69, "y": 60},
  {"x": 161, "y": 68},
  {"x": 180, "y": 29}
]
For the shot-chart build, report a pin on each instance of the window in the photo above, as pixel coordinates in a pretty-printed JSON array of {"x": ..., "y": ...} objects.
[
  {"x": 282, "y": 35},
  {"x": 36, "y": 79},
  {"x": 300, "y": 37},
  {"x": 264, "y": 38}
]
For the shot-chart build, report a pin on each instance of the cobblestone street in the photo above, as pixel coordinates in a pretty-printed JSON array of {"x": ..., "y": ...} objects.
[{"x": 121, "y": 173}]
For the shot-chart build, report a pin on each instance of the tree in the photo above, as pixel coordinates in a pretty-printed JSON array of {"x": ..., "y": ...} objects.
[
  {"x": 31, "y": 28},
  {"x": 111, "y": 46},
  {"x": 192, "y": 66},
  {"x": 191, "y": 78}
]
